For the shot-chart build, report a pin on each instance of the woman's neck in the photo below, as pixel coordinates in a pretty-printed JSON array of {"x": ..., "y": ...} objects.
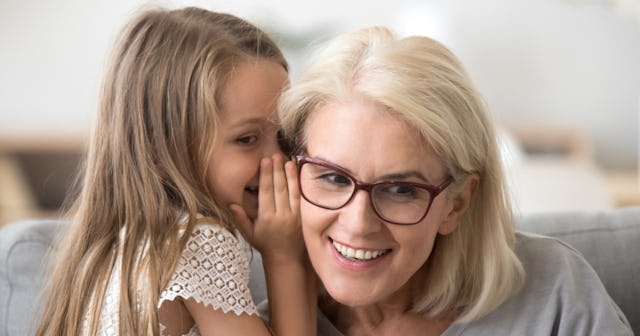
[{"x": 389, "y": 317}]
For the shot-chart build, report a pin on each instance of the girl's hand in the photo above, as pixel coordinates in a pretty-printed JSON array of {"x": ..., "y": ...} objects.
[{"x": 276, "y": 233}]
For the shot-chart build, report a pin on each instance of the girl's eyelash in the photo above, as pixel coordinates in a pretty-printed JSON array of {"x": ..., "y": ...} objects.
[{"x": 247, "y": 139}]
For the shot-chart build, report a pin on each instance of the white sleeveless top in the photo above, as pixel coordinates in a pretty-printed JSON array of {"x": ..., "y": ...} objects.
[{"x": 213, "y": 270}]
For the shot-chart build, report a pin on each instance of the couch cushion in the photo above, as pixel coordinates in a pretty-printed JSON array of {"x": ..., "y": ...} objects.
[
  {"x": 609, "y": 240},
  {"x": 24, "y": 248}
]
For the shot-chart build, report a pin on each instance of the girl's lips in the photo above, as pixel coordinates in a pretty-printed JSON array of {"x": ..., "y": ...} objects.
[
  {"x": 251, "y": 200},
  {"x": 251, "y": 190}
]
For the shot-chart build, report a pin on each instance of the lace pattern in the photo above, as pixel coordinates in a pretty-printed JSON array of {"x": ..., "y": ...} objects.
[
  {"x": 214, "y": 271},
  {"x": 109, "y": 315}
]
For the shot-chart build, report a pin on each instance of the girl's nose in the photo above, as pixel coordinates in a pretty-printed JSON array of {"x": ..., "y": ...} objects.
[{"x": 358, "y": 216}]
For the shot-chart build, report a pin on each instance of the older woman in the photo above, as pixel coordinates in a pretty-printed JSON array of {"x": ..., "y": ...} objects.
[{"x": 405, "y": 214}]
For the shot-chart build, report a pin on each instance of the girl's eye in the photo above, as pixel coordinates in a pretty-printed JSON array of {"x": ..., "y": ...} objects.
[{"x": 247, "y": 140}]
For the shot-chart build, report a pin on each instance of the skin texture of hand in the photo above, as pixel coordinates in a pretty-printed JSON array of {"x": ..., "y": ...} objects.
[{"x": 276, "y": 233}]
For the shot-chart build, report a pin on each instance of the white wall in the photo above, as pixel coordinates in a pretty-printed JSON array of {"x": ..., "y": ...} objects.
[
  {"x": 563, "y": 61},
  {"x": 556, "y": 61}
]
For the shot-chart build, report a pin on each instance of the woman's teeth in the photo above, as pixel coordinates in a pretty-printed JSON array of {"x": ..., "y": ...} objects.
[{"x": 357, "y": 254}]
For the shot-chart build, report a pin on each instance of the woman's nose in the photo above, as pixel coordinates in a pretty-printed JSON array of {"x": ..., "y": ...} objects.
[{"x": 358, "y": 216}]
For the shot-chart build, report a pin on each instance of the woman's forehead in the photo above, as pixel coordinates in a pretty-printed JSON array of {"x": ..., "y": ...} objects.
[{"x": 364, "y": 134}]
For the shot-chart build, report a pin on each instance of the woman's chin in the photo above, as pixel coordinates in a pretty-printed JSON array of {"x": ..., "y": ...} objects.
[{"x": 351, "y": 297}]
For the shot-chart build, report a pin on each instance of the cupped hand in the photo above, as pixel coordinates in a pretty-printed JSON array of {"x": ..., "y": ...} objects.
[{"x": 276, "y": 232}]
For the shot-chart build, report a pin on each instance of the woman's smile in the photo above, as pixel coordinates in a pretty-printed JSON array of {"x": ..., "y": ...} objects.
[
  {"x": 357, "y": 254},
  {"x": 357, "y": 259}
]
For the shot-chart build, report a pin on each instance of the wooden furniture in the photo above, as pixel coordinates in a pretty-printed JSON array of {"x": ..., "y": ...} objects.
[
  {"x": 624, "y": 186},
  {"x": 557, "y": 171},
  {"x": 36, "y": 174}
]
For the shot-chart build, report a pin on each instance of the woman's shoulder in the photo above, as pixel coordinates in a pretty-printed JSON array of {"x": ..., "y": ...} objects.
[
  {"x": 550, "y": 261},
  {"x": 562, "y": 294},
  {"x": 559, "y": 273},
  {"x": 547, "y": 254}
]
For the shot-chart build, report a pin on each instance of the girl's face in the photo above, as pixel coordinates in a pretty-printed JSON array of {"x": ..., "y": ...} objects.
[
  {"x": 248, "y": 132},
  {"x": 372, "y": 145}
]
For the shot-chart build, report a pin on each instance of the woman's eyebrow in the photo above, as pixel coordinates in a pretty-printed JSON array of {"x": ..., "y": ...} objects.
[
  {"x": 405, "y": 175},
  {"x": 321, "y": 158},
  {"x": 387, "y": 177}
]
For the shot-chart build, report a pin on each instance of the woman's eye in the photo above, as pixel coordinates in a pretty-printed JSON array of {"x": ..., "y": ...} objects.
[
  {"x": 336, "y": 179},
  {"x": 247, "y": 140},
  {"x": 401, "y": 190}
]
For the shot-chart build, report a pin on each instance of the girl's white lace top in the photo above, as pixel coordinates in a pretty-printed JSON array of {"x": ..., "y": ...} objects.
[{"x": 213, "y": 270}]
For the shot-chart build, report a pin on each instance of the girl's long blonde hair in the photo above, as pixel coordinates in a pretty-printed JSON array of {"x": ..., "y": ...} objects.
[
  {"x": 146, "y": 164},
  {"x": 473, "y": 269}
]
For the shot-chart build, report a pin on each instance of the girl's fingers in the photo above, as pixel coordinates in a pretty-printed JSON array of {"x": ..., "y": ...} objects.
[
  {"x": 265, "y": 194},
  {"x": 292, "y": 184},
  {"x": 280, "y": 187}
]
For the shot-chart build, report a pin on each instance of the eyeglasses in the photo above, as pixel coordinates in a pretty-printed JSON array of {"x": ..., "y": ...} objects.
[{"x": 329, "y": 187}]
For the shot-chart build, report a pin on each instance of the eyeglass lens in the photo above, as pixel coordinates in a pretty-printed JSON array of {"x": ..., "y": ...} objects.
[{"x": 397, "y": 202}]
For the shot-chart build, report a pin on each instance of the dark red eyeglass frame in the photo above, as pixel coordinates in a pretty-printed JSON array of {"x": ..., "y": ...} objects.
[{"x": 433, "y": 190}]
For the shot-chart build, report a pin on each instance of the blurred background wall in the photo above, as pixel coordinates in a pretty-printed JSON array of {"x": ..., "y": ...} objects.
[{"x": 549, "y": 69}]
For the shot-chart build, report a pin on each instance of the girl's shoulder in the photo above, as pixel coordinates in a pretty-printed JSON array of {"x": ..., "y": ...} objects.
[
  {"x": 209, "y": 223},
  {"x": 213, "y": 270},
  {"x": 208, "y": 231},
  {"x": 209, "y": 228}
]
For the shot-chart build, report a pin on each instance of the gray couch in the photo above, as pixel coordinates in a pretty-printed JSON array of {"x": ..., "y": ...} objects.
[{"x": 609, "y": 240}]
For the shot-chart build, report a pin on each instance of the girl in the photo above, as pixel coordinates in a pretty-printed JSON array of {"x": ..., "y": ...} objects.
[{"x": 185, "y": 145}]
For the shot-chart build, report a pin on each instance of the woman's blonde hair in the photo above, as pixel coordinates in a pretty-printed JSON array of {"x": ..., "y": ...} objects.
[
  {"x": 473, "y": 269},
  {"x": 147, "y": 164}
]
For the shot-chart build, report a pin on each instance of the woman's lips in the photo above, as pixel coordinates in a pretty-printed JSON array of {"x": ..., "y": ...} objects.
[
  {"x": 358, "y": 254},
  {"x": 357, "y": 259}
]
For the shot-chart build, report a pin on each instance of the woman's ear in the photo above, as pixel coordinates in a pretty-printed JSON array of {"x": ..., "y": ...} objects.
[{"x": 460, "y": 205}]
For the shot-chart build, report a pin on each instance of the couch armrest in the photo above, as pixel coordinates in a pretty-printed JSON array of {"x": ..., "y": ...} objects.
[
  {"x": 24, "y": 248},
  {"x": 609, "y": 240}
]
